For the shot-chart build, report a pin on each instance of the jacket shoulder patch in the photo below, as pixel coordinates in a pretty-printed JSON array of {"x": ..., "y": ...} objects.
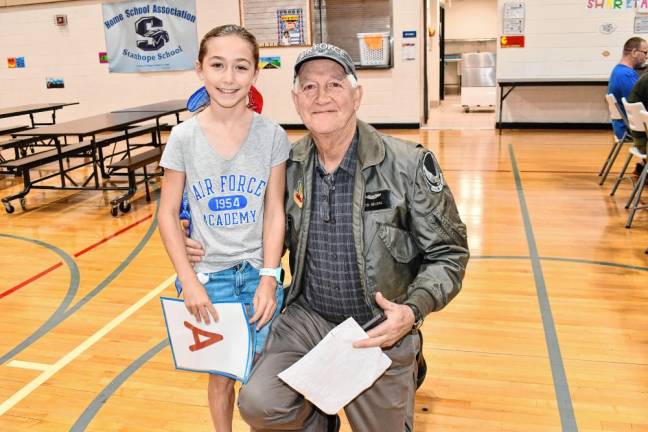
[{"x": 432, "y": 171}]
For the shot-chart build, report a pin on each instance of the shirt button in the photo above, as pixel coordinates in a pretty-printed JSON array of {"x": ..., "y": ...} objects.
[{"x": 334, "y": 256}]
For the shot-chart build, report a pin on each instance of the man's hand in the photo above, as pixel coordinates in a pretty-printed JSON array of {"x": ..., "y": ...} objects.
[
  {"x": 194, "y": 249},
  {"x": 265, "y": 301},
  {"x": 399, "y": 322}
]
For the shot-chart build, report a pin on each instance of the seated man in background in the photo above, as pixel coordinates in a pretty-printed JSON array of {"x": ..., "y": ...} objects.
[
  {"x": 624, "y": 76},
  {"x": 639, "y": 93}
]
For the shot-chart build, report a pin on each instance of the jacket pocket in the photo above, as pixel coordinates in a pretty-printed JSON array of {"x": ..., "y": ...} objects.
[{"x": 398, "y": 242}]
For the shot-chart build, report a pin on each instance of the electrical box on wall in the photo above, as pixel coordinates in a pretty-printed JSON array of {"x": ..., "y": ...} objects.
[{"x": 60, "y": 20}]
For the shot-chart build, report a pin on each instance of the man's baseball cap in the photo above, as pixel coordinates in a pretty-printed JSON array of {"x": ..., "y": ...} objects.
[{"x": 326, "y": 51}]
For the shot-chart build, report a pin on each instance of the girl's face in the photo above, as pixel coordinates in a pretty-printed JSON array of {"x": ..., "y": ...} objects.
[{"x": 228, "y": 70}]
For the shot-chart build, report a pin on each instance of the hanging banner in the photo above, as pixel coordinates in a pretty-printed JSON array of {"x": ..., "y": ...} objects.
[
  {"x": 638, "y": 5},
  {"x": 150, "y": 36}
]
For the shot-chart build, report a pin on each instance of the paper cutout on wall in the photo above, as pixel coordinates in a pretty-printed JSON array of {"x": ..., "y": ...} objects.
[
  {"x": 54, "y": 83},
  {"x": 103, "y": 57},
  {"x": 15, "y": 62},
  {"x": 269, "y": 62}
]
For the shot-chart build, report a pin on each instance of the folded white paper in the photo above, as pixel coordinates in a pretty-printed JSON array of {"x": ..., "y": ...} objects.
[
  {"x": 224, "y": 347},
  {"x": 333, "y": 373}
]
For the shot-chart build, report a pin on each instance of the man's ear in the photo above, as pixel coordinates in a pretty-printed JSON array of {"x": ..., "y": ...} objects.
[{"x": 357, "y": 97}]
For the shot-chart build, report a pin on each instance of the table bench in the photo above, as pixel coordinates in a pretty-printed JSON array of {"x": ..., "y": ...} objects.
[{"x": 131, "y": 164}]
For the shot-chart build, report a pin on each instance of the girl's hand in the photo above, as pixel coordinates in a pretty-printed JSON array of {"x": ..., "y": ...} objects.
[
  {"x": 265, "y": 301},
  {"x": 197, "y": 302}
]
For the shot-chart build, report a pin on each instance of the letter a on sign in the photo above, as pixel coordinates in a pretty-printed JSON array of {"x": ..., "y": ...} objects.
[{"x": 212, "y": 338}]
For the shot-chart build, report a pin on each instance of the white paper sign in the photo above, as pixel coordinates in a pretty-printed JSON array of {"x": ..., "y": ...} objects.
[
  {"x": 513, "y": 26},
  {"x": 224, "y": 347},
  {"x": 333, "y": 373},
  {"x": 641, "y": 24},
  {"x": 514, "y": 10},
  {"x": 408, "y": 50}
]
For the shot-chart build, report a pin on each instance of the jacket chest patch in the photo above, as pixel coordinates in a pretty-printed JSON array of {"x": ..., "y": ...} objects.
[
  {"x": 298, "y": 194},
  {"x": 377, "y": 200}
]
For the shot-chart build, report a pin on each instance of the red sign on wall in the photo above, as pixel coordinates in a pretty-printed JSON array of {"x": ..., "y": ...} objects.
[{"x": 512, "y": 41}]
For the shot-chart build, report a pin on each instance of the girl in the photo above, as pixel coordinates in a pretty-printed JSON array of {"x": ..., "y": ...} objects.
[{"x": 232, "y": 163}]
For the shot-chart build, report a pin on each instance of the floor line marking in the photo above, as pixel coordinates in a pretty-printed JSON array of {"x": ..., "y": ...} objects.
[
  {"x": 69, "y": 357},
  {"x": 31, "y": 279},
  {"x": 76, "y": 255},
  {"x": 115, "y": 234},
  {"x": 561, "y": 386},
  {"x": 64, "y": 310},
  {"x": 28, "y": 365}
]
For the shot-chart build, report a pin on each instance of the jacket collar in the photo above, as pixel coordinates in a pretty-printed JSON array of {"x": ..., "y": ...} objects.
[{"x": 371, "y": 149}]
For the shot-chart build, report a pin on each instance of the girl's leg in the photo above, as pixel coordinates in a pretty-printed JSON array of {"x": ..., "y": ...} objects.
[{"x": 220, "y": 393}]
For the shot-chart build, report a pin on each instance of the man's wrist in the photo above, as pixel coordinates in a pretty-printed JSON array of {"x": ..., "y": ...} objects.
[{"x": 418, "y": 317}]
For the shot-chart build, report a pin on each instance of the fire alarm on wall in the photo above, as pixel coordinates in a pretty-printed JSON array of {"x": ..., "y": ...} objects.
[{"x": 60, "y": 20}]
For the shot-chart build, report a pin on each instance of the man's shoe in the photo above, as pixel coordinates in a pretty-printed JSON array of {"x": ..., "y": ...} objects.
[
  {"x": 334, "y": 423},
  {"x": 421, "y": 365}
]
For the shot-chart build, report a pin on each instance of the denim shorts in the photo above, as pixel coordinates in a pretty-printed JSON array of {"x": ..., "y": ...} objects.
[{"x": 238, "y": 284}]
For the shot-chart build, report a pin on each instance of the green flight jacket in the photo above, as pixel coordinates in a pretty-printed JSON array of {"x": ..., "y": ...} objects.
[{"x": 411, "y": 246}]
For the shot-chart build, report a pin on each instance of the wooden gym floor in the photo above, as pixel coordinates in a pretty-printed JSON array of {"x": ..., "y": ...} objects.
[{"x": 550, "y": 332}]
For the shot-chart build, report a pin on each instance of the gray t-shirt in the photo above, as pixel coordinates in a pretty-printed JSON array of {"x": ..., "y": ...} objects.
[{"x": 226, "y": 196}]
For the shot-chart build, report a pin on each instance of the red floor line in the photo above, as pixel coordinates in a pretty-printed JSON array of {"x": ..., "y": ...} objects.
[
  {"x": 76, "y": 255},
  {"x": 31, "y": 279},
  {"x": 104, "y": 240}
]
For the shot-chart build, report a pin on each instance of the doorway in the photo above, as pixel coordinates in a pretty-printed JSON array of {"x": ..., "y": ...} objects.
[{"x": 464, "y": 27}]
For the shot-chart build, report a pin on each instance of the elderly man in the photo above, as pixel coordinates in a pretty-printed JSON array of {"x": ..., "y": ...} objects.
[{"x": 372, "y": 228}]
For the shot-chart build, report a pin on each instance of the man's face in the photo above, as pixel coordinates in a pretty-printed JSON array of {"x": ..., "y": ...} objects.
[
  {"x": 324, "y": 97},
  {"x": 639, "y": 55}
]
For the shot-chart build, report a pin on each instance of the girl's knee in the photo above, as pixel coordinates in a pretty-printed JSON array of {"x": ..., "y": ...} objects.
[{"x": 220, "y": 384}]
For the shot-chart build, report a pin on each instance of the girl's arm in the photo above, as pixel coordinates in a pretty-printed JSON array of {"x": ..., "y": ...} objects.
[
  {"x": 265, "y": 302},
  {"x": 196, "y": 300}
]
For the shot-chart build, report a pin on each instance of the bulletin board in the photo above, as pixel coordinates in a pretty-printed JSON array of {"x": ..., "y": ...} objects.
[
  {"x": 278, "y": 23},
  {"x": 567, "y": 39}
]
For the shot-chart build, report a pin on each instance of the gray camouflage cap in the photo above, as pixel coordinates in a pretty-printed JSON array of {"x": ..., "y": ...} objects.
[{"x": 326, "y": 51}]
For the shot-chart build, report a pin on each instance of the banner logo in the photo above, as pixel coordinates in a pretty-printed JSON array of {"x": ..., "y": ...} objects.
[{"x": 151, "y": 28}]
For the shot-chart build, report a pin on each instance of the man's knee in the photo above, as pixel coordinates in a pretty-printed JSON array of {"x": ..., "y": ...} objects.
[
  {"x": 253, "y": 405},
  {"x": 261, "y": 410}
]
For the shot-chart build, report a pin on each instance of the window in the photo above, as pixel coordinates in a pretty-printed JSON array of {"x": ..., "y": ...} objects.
[{"x": 340, "y": 21}]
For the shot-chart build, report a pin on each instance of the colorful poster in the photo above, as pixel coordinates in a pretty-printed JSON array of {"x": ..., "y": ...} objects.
[
  {"x": 269, "y": 62},
  {"x": 290, "y": 27},
  {"x": 103, "y": 57},
  {"x": 150, "y": 36},
  {"x": 54, "y": 83}
]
